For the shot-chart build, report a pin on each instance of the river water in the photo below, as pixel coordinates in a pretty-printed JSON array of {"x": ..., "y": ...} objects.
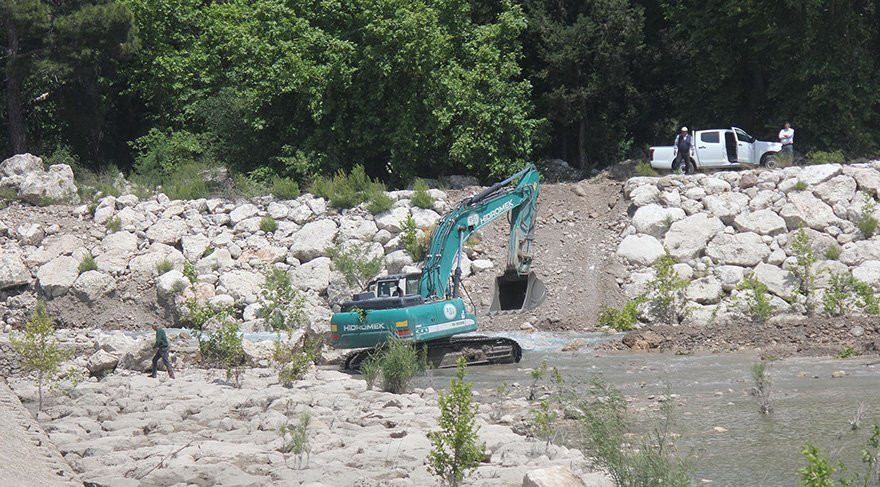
[{"x": 713, "y": 391}]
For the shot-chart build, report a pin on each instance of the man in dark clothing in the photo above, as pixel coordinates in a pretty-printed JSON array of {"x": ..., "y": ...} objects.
[
  {"x": 161, "y": 346},
  {"x": 683, "y": 142}
]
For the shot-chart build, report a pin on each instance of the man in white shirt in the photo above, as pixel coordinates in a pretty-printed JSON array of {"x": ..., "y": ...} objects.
[{"x": 786, "y": 138}]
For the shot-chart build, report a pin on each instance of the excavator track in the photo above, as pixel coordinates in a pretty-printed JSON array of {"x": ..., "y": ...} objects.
[{"x": 444, "y": 352}]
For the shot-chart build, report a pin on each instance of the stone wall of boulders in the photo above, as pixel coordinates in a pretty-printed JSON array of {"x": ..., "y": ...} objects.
[
  {"x": 722, "y": 226},
  {"x": 129, "y": 237}
]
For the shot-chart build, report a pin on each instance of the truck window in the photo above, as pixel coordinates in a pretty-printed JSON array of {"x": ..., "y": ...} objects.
[
  {"x": 743, "y": 136},
  {"x": 710, "y": 137}
]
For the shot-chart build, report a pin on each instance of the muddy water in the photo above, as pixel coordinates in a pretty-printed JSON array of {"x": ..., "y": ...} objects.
[{"x": 755, "y": 450}]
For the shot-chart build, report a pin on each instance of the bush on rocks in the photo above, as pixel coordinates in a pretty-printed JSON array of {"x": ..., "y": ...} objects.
[
  {"x": 420, "y": 197},
  {"x": 354, "y": 263},
  {"x": 293, "y": 363},
  {"x": 285, "y": 188},
  {"x": 87, "y": 264},
  {"x": 756, "y": 300},
  {"x": 347, "y": 190},
  {"x": 268, "y": 224},
  {"x": 398, "y": 363},
  {"x": 281, "y": 306},
  {"x": 223, "y": 347},
  {"x": 38, "y": 350},
  {"x": 380, "y": 203}
]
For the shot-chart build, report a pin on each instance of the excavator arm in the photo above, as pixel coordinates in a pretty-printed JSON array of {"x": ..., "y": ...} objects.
[{"x": 517, "y": 289}]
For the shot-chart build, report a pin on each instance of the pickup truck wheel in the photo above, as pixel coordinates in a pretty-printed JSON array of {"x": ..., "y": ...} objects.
[{"x": 771, "y": 162}]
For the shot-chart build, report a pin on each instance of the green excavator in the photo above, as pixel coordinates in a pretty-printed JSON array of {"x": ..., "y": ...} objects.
[{"x": 422, "y": 309}]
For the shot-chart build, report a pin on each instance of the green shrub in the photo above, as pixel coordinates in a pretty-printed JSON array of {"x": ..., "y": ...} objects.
[
  {"x": 623, "y": 319},
  {"x": 354, "y": 263},
  {"x": 761, "y": 387},
  {"x": 800, "y": 186},
  {"x": 164, "y": 266},
  {"x": 114, "y": 224},
  {"x": 832, "y": 252},
  {"x": 189, "y": 271},
  {"x": 223, "y": 346},
  {"x": 826, "y": 157},
  {"x": 285, "y": 188},
  {"x": 415, "y": 246},
  {"x": 802, "y": 248},
  {"x": 644, "y": 169},
  {"x": 347, "y": 190},
  {"x": 175, "y": 160},
  {"x": 295, "y": 440},
  {"x": 198, "y": 315},
  {"x": 38, "y": 350},
  {"x": 544, "y": 422},
  {"x": 866, "y": 222},
  {"x": 630, "y": 460},
  {"x": 8, "y": 194},
  {"x": 370, "y": 371},
  {"x": 847, "y": 352},
  {"x": 268, "y": 224},
  {"x": 845, "y": 292},
  {"x": 380, "y": 203},
  {"x": 282, "y": 307},
  {"x": 421, "y": 197},
  {"x": 292, "y": 363},
  {"x": 455, "y": 447},
  {"x": 87, "y": 264},
  {"x": 666, "y": 290},
  {"x": 757, "y": 301},
  {"x": 399, "y": 362}
]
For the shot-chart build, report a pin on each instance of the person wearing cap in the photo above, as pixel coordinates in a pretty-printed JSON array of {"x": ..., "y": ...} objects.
[
  {"x": 786, "y": 138},
  {"x": 683, "y": 142}
]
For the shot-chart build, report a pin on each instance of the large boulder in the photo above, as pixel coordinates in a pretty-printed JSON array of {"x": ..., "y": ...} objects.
[
  {"x": 655, "y": 220},
  {"x": 780, "y": 282},
  {"x": 170, "y": 284},
  {"x": 424, "y": 218},
  {"x": 242, "y": 285},
  {"x": 217, "y": 260},
  {"x": 101, "y": 362},
  {"x": 194, "y": 246},
  {"x": 397, "y": 260},
  {"x": 314, "y": 274},
  {"x": 20, "y": 165},
  {"x": 813, "y": 175},
  {"x": 557, "y": 476},
  {"x": 30, "y": 234},
  {"x": 242, "y": 213},
  {"x": 57, "y": 276},
  {"x": 726, "y": 206},
  {"x": 55, "y": 185},
  {"x": 743, "y": 249},
  {"x": 805, "y": 209},
  {"x": 92, "y": 285},
  {"x": 869, "y": 272},
  {"x": 393, "y": 219},
  {"x": 839, "y": 189},
  {"x": 687, "y": 238},
  {"x": 640, "y": 249},
  {"x": 355, "y": 228},
  {"x": 762, "y": 222},
  {"x": 167, "y": 231},
  {"x": 704, "y": 291},
  {"x": 313, "y": 239},
  {"x": 868, "y": 179},
  {"x": 148, "y": 262},
  {"x": 855, "y": 253},
  {"x": 13, "y": 272}
]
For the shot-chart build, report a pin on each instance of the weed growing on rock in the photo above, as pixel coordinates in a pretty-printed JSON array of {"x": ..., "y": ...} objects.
[
  {"x": 761, "y": 386},
  {"x": 421, "y": 198},
  {"x": 296, "y": 440},
  {"x": 866, "y": 222},
  {"x": 455, "y": 447},
  {"x": 845, "y": 292},
  {"x": 645, "y": 170},
  {"x": 623, "y": 319},
  {"x": 178, "y": 287},
  {"x": 87, "y": 264},
  {"x": 114, "y": 224},
  {"x": 379, "y": 203},
  {"x": 800, "y": 186},
  {"x": 415, "y": 246},
  {"x": 538, "y": 374},
  {"x": 832, "y": 252},
  {"x": 292, "y": 363},
  {"x": 370, "y": 371},
  {"x": 354, "y": 263},
  {"x": 347, "y": 190},
  {"x": 164, "y": 266},
  {"x": 189, "y": 271},
  {"x": 606, "y": 433},
  {"x": 8, "y": 194},
  {"x": 666, "y": 290},
  {"x": 543, "y": 422},
  {"x": 802, "y": 248},
  {"x": 268, "y": 224},
  {"x": 281, "y": 306},
  {"x": 847, "y": 352},
  {"x": 285, "y": 188},
  {"x": 38, "y": 350},
  {"x": 865, "y": 297},
  {"x": 756, "y": 300},
  {"x": 398, "y": 363}
]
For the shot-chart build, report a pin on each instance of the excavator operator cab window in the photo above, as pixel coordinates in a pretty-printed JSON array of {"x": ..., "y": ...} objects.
[
  {"x": 412, "y": 285},
  {"x": 385, "y": 289}
]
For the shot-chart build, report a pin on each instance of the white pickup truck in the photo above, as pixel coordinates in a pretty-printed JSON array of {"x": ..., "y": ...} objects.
[{"x": 718, "y": 149}]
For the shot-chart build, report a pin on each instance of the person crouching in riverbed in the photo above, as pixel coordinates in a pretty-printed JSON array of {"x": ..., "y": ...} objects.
[{"x": 161, "y": 346}]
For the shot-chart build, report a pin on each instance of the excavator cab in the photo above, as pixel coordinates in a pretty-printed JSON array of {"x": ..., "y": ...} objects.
[{"x": 516, "y": 292}]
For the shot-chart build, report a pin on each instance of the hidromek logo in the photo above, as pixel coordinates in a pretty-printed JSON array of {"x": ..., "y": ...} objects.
[{"x": 496, "y": 212}]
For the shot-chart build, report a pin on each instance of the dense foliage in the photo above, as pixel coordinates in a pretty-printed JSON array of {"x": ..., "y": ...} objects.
[{"x": 294, "y": 89}]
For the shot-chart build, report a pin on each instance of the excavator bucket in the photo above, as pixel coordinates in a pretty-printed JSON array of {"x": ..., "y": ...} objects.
[{"x": 517, "y": 293}]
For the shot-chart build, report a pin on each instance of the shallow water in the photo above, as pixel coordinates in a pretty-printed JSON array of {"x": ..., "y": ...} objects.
[{"x": 756, "y": 450}]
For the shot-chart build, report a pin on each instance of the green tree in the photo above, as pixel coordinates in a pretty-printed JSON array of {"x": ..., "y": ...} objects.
[
  {"x": 455, "y": 448},
  {"x": 354, "y": 263},
  {"x": 38, "y": 350}
]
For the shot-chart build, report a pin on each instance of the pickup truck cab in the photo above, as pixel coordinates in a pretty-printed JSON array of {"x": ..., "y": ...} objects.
[{"x": 719, "y": 149}]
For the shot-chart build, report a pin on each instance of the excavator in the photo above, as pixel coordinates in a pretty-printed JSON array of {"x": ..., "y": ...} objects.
[{"x": 422, "y": 309}]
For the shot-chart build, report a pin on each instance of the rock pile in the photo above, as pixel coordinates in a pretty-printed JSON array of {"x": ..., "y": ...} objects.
[
  {"x": 724, "y": 226},
  {"x": 24, "y": 174}
]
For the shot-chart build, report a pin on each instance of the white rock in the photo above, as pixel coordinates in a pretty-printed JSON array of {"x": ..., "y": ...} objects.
[
  {"x": 654, "y": 220},
  {"x": 744, "y": 249},
  {"x": 857, "y": 252},
  {"x": 356, "y": 228},
  {"x": 805, "y": 209},
  {"x": 20, "y": 165},
  {"x": 557, "y": 476},
  {"x": 820, "y": 173},
  {"x": 277, "y": 210},
  {"x": 242, "y": 285},
  {"x": 313, "y": 239},
  {"x": 300, "y": 213},
  {"x": 194, "y": 246},
  {"x": 92, "y": 285},
  {"x": 715, "y": 185},
  {"x": 481, "y": 265},
  {"x": 778, "y": 281},
  {"x": 869, "y": 272},
  {"x": 314, "y": 274},
  {"x": 157, "y": 253},
  {"x": 57, "y": 276},
  {"x": 13, "y": 272},
  {"x": 56, "y": 184},
  {"x": 640, "y": 249},
  {"x": 868, "y": 179},
  {"x": 840, "y": 188},
  {"x": 424, "y": 218},
  {"x": 171, "y": 283},
  {"x": 217, "y": 260},
  {"x": 687, "y": 238},
  {"x": 167, "y": 231},
  {"x": 101, "y": 362},
  {"x": 726, "y": 206},
  {"x": 645, "y": 195},
  {"x": 392, "y": 220},
  {"x": 30, "y": 234},
  {"x": 729, "y": 276},
  {"x": 243, "y": 212},
  {"x": 762, "y": 222},
  {"x": 395, "y": 261},
  {"x": 222, "y": 301},
  {"x": 704, "y": 291}
]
